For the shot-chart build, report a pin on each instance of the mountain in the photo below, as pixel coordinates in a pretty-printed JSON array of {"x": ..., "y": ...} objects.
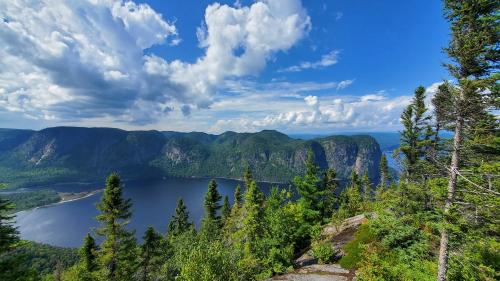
[
  {"x": 87, "y": 154},
  {"x": 387, "y": 141}
]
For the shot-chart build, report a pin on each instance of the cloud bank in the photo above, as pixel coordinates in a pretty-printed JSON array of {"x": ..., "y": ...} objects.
[{"x": 63, "y": 60}]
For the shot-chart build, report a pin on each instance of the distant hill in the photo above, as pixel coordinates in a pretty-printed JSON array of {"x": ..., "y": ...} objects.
[
  {"x": 386, "y": 140},
  {"x": 87, "y": 154}
]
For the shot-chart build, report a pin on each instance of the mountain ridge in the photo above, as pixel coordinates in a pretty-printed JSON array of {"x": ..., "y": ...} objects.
[{"x": 69, "y": 153}]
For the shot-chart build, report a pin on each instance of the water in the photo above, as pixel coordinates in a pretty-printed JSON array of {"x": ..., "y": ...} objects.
[{"x": 153, "y": 201}]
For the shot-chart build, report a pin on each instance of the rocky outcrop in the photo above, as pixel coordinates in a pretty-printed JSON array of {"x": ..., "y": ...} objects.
[{"x": 307, "y": 267}]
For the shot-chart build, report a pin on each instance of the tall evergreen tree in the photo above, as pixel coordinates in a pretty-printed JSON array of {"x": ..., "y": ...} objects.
[
  {"x": 237, "y": 197},
  {"x": 179, "y": 222},
  {"x": 254, "y": 213},
  {"x": 88, "y": 253},
  {"x": 474, "y": 51},
  {"x": 330, "y": 186},
  {"x": 9, "y": 235},
  {"x": 415, "y": 137},
  {"x": 226, "y": 209},
  {"x": 248, "y": 177},
  {"x": 310, "y": 190},
  {"x": 385, "y": 177},
  {"x": 118, "y": 250},
  {"x": 367, "y": 187},
  {"x": 212, "y": 201},
  {"x": 151, "y": 252}
]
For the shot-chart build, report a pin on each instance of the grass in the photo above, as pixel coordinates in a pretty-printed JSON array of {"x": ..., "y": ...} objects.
[{"x": 354, "y": 249}]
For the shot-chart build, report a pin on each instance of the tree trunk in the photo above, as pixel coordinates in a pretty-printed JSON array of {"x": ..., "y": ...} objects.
[{"x": 455, "y": 159}]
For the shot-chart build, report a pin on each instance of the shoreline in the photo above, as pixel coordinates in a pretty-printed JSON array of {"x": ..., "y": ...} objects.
[{"x": 70, "y": 198}]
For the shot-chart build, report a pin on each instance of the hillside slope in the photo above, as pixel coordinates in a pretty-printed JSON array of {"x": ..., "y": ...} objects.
[{"x": 87, "y": 154}]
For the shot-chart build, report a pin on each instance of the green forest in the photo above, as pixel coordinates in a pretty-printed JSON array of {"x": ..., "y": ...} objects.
[{"x": 437, "y": 221}]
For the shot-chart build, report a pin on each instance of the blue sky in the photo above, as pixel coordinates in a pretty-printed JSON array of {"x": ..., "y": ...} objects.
[{"x": 295, "y": 66}]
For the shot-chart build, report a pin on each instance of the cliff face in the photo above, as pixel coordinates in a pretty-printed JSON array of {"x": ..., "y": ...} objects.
[{"x": 69, "y": 153}]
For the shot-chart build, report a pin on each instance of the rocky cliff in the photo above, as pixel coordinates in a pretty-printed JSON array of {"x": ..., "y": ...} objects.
[{"x": 85, "y": 154}]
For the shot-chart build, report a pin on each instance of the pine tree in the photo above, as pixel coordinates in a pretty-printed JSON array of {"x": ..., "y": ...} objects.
[
  {"x": 310, "y": 190},
  {"x": 212, "y": 201},
  {"x": 329, "y": 185},
  {"x": 254, "y": 213},
  {"x": 385, "y": 177},
  {"x": 367, "y": 187},
  {"x": 415, "y": 138},
  {"x": 180, "y": 220},
  {"x": 118, "y": 250},
  {"x": 88, "y": 253},
  {"x": 237, "y": 197},
  {"x": 9, "y": 235},
  {"x": 226, "y": 209},
  {"x": 151, "y": 252},
  {"x": 474, "y": 51},
  {"x": 248, "y": 177},
  {"x": 350, "y": 199}
]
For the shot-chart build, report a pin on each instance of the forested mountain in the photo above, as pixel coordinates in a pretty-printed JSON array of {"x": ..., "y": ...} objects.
[{"x": 75, "y": 153}]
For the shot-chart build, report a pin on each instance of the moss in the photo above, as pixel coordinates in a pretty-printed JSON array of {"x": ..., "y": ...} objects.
[{"x": 354, "y": 249}]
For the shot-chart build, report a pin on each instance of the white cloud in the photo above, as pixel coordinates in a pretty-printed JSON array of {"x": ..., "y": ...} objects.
[
  {"x": 77, "y": 60},
  {"x": 326, "y": 60}
]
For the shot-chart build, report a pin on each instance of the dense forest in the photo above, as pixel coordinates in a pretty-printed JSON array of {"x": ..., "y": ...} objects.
[{"x": 439, "y": 220}]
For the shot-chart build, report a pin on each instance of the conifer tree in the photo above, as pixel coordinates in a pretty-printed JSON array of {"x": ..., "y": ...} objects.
[
  {"x": 329, "y": 185},
  {"x": 474, "y": 51},
  {"x": 212, "y": 201},
  {"x": 248, "y": 177},
  {"x": 415, "y": 137},
  {"x": 179, "y": 222},
  {"x": 385, "y": 177},
  {"x": 88, "y": 253},
  {"x": 9, "y": 235},
  {"x": 226, "y": 209},
  {"x": 118, "y": 250},
  {"x": 252, "y": 223},
  {"x": 151, "y": 252},
  {"x": 237, "y": 197},
  {"x": 367, "y": 187},
  {"x": 310, "y": 190}
]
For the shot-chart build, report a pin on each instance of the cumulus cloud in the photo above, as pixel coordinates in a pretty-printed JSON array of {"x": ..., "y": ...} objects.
[
  {"x": 328, "y": 59},
  {"x": 86, "y": 59}
]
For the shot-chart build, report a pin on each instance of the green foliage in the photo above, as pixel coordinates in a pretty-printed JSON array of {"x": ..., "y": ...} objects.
[
  {"x": 212, "y": 204},
  {"x": 354, "y": 249},
  {"x": 31, "y": 199},
  {"x": 88, "y": 253},
  {"x": 118, "y": 250},
  {"x": 179, "y": 222},
  {"x": 151, "y": 255},
  {"x": 226, "y": 209}
]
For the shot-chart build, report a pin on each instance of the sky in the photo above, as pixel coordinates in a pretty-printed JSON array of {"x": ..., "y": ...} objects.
[{"x": 296, "y": 66}]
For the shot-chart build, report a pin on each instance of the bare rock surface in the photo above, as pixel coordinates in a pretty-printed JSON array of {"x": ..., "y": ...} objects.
[{"x": 308, "y": 268}]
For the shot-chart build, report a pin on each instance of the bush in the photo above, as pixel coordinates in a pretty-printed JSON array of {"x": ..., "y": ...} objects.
[{"x": 323, "y": 251}]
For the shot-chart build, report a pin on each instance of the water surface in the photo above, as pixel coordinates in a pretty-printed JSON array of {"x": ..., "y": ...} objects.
[{"x": 153, "y": 201}]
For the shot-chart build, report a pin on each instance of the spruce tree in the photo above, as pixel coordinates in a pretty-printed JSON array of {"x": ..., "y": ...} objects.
[
  {"x": 385, "y": 177},
  {"x": 310, "y": 190},
  {"x": 212, "y": 201},
  {"x": 367, "y": 187},
  {"x": 330, "y": 186},
  {"x": 88, "y": 253},
  {"x": 9, "y": 235},
  {"x": 237, "y": 197},
  {"x": 118, "y": 250},
  {"x": 180, "y": 220},
  {"x": 415, "y": 137},
  {"x": 474, "y": 52},
  {"x": 248, "y": 177},
  {"x": 254, "y": 213},
  {"x": 226, "y": 209},
  {"x": 151, "y": 252}
]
